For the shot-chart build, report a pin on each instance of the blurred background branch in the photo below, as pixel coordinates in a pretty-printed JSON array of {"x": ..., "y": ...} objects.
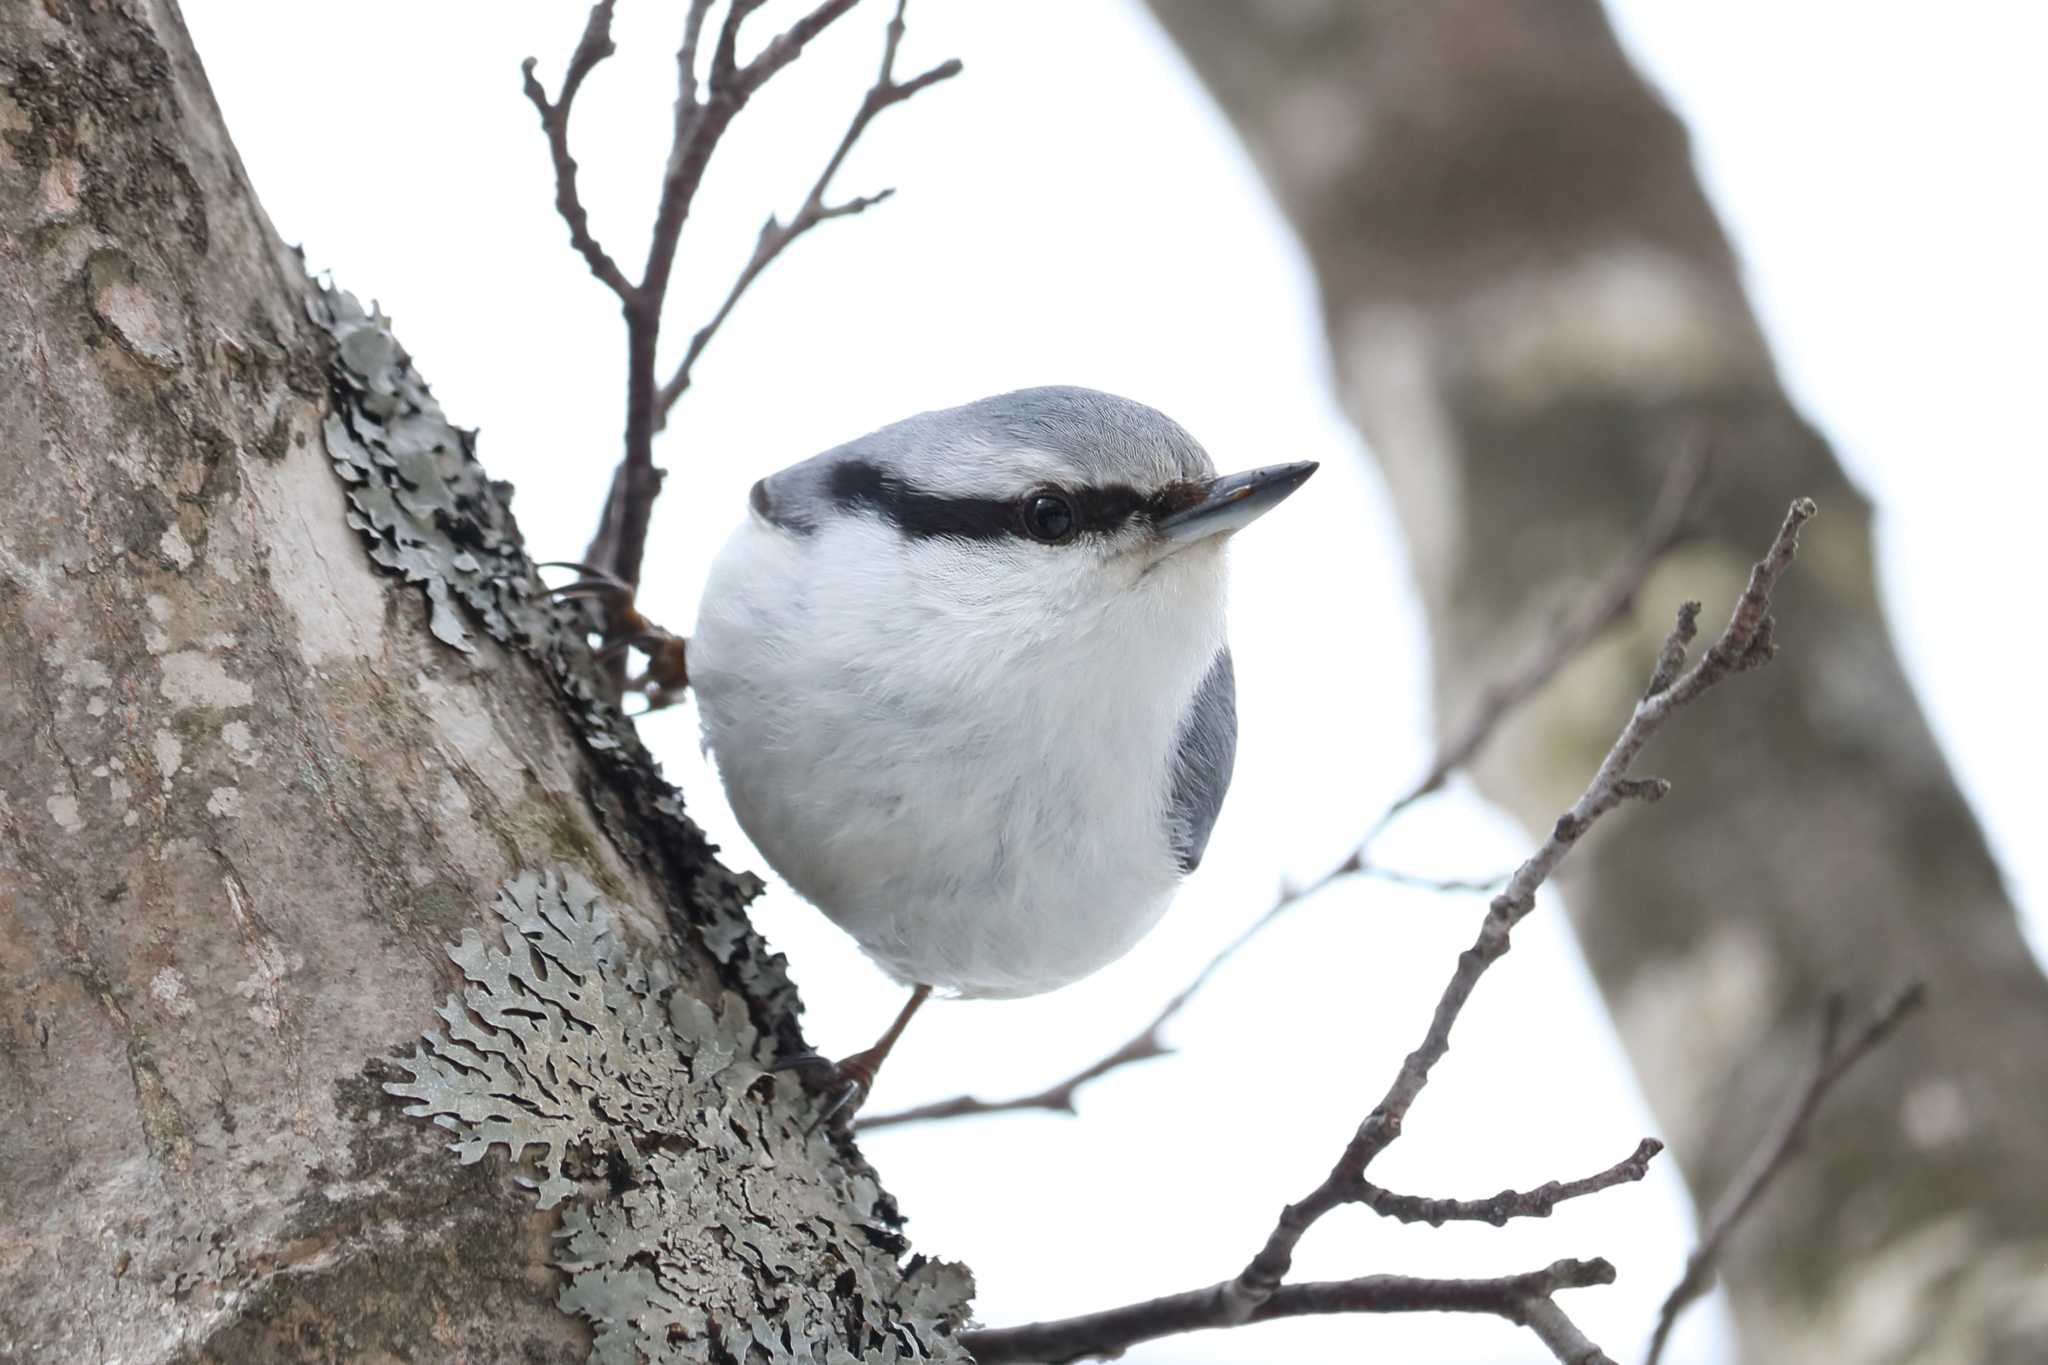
[{"x": 1832, "y": 1061}]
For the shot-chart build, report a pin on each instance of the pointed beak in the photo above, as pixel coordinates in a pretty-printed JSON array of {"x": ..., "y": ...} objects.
[{"x": 1234, "y": 502}]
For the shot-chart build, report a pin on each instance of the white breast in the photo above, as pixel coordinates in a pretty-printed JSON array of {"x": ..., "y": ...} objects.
[{"x": 970, "y": 782}]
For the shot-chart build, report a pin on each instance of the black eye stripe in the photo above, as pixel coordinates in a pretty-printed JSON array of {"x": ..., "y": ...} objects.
[
  {"x": 918, "y": 514},
  {"x": 856, "y": 483}
]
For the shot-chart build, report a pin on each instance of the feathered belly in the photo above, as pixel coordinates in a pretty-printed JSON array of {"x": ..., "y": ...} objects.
[{"x": 956, "y": 857}]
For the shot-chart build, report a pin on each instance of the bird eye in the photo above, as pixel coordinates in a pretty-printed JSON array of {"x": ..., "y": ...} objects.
[{"x": 1048, "y": 517}]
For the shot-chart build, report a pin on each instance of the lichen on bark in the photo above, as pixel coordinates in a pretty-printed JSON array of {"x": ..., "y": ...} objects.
[{"x": 707, "y": 1221}]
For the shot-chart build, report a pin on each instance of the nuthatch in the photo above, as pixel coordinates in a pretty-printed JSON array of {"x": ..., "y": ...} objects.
[{"x": 966, "y": 683}]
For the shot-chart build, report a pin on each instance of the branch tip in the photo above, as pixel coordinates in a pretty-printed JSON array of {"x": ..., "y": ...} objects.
[{"x": 1508, "y": 1204}]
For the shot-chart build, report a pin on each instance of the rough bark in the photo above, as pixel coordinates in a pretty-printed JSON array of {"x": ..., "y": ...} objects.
[
  {"x": 282, "y": 720},
  {"x": 1531, "y": 305}
]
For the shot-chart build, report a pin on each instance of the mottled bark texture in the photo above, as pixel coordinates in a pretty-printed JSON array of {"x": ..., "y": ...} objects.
[
  {"x": 248, "y": 800},
  {"x": 1530, "y": 305}
]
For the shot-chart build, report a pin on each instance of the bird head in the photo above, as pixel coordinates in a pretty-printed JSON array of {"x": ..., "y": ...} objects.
[{"x": 1050, "y": 512}]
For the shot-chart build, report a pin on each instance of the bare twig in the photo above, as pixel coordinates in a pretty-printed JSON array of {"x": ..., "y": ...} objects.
[
  {"x": 1743, "y": 643},
  {"x": 776, "y": 236},
  {"x": 1448, "y": 886},
  {"x": 1536, "y": 1203},
  {"x": 1832, "y": 1060},
  {"x": 1058, "y": 1099},
  {"x": 700, "y": 123},
  {"x": 790, "y": 45},
  {"x": 1523, "y": 1299},
  {"x": 595, "y": 45}
]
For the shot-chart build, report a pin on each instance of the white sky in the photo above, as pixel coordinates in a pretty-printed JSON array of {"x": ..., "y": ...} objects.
[{"x": 1072, "y": 210}]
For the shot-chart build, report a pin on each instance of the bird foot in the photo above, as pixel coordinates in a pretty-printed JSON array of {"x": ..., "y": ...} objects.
[
  {"x": 667, "y": 674},
  {"x": 842, "y": 1087}
]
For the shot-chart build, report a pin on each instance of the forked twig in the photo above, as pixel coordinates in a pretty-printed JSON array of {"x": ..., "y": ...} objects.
[{"x": 1508, "y": 1204}]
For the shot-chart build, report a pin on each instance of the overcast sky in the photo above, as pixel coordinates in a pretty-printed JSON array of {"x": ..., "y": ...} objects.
[{"x": 1072, "y": 210}]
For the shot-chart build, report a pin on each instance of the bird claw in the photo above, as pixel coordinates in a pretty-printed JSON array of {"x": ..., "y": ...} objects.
[
  {"x": 667, "y": 673},
  {"x": 841, "y": 1087},
  {"x": 844, "y": 1085}
]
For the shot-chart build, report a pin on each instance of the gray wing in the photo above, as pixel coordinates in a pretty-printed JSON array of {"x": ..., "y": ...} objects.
[{"x": 1205, "y": 749}]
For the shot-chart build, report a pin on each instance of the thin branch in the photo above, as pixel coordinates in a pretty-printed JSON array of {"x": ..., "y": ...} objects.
[
  {"x": 1536, "y": 1203},
  {"x": 699, "y": 124},
  {"x": 775, "y": 237},
  {"x": 595, "y": 45},
  {"x": 1448, "y": 886},
  {"x": 1058, "y": 1099},
  {"x": 1524, "y": 1299},
  {"x": 1743, "y": 643},
  {"x": 1832, "y": 1061}
]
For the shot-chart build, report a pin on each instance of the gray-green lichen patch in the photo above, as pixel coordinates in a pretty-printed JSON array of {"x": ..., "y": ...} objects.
[
  {"x": 416, "y": 490},
  {"x": 704, "y": 1223},
  {"x": 427, "y": 511}
]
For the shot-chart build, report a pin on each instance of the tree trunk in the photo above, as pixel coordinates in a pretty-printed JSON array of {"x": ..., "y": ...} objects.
[
  {"x": 1530, "y": 305},
  {"x": 297, "y": 759}
]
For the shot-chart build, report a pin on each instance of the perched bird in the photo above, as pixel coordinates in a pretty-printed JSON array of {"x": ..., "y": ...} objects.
[{"x": 966, "y": 683}]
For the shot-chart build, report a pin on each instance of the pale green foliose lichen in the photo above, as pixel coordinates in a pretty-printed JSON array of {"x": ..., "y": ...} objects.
[{"x": 704, "y": 1223}]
